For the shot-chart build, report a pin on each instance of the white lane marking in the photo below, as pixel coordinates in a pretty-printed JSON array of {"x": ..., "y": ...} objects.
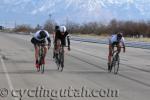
[{"x": 7, "y": 76}]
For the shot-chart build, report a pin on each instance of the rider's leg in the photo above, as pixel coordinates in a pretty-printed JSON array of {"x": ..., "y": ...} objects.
[
  {"x": 58, "y": 45},
  {"x": 110, "y": 54},
  {"x": 109, "y": 57},
  {"x": 119, "y": 48},
  {"x": 45, "y": 52},
  {"x": 35, "y": 42},
  {"x": 36, "y": 55},
  {"x": 54, "y": 50}
]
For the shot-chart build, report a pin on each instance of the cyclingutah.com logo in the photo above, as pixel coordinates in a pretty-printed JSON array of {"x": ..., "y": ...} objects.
[{"x": 70, "y": 92}]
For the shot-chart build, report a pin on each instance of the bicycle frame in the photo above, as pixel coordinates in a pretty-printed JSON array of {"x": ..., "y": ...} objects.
[
  {"x": 41, "y": 57},
  {"x": 60, "y": 57},
  {"x": 115, "y": 61}
]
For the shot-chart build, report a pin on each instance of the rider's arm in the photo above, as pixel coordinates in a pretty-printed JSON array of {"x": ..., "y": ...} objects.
[
  {"x": 49, "y": 42},
  {"x": 66, "y": 33},
  {"x": 68, "y": 40},
  {"x": 48, "y": 38},
  {"x": 123, "y": 44},
  {"x": 54, "y": 33},
  {"x": 124, "y": 48}
]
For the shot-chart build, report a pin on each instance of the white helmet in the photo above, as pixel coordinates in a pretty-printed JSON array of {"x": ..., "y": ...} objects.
[{"x": 63, "y": 29}]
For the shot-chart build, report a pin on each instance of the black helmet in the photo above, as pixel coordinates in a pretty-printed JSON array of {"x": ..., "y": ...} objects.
[
  {"x": 56, "y": 27},
  {"x": 119, "y": 35},
  {"x": 42, "y": 34}
]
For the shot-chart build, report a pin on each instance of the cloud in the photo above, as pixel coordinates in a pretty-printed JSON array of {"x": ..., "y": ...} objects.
[
  {"x": 79, "y": 9},
  {"x": 85, "y": 5},
  {"x": 43, "y": 7}
]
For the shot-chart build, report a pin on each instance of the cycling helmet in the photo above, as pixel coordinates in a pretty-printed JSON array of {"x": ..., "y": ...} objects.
[
  {"x": 119, "y": 35},
  {"x": 42, "y": 34},
  {"x": 56, "y": 27},
  {"x": 62, "y": 29}
]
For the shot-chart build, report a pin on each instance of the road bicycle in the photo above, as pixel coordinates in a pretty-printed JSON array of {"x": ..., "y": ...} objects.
[
  {"x": 59, "y": 55},
  {"x": 115, "y": 62},
  {"x": 41, "y": 57}
]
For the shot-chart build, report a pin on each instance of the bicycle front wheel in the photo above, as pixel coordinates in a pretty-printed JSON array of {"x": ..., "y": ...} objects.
[
  {"x": 42, "y": 68},
  {"x": 62, "y": 59},
  {"x": 116, "y": 65}
]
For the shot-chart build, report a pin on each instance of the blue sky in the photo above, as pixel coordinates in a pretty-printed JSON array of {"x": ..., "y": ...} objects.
[{"x": 35, "y": 12}]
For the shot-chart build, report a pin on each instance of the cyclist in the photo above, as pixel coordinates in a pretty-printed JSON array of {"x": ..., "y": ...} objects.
[
  {"x": 56, "y": 29},
  {"x": 54, "y": 34},
  {"x": 118, "y": 41},
  {"x": 60, "y": 38},
  {"x": 40, "y": 38}
]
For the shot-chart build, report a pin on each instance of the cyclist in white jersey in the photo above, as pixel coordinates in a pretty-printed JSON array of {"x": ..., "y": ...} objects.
[
  {"x": 118, "y": 41},
  {"x": 39, "y": 38}
]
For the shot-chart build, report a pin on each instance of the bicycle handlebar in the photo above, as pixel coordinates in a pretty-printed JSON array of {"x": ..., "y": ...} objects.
[
  {"x": 117, "y": 50},
  {"x": 121, "y": 47},
  {"x": 42, "y": 44}
]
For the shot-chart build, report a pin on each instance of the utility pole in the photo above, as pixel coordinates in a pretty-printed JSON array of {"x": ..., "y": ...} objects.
[
  {"x": 6, "y": 24},
  {"x": 15, "y": 24},
  {"x": 67, "y": 22},
  {"x": 50, "y": 16}
]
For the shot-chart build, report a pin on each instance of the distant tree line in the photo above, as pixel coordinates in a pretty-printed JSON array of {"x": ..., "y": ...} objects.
[
  {"x": 23, "y": 28},
  {"x": 129, "y": 28},
  {"x": 49, "y": 26}
]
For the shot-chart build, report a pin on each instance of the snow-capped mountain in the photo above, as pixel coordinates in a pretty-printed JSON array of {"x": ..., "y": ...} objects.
[{"x": 37, "y": 11}]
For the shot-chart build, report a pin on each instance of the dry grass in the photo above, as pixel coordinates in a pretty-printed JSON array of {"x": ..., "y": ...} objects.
[
  {"x": 105, "y": 37},
  {"x": 138, "y": 39},
  {"x": 92, "y": 36}
]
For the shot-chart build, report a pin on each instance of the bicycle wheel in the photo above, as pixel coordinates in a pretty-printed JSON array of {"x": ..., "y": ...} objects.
[
  {"x": 58, "y": 60},
  {"x": 42, "y": 68},
  {"x": 41, "y": 59},
  {"x": 116, "y": 64},
  {"x": 112, "y": 64},
  {"x": 41, "y": 65},
  {"x": 62, "y": 59},
  {"x": 110, "y": 67}
]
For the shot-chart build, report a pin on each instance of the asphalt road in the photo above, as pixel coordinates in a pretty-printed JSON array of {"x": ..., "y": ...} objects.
[{"x": 85, "y": 75}]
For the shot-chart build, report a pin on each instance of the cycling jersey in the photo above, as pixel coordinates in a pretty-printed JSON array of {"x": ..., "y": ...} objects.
[
  {"x": 113, "y": 40},
  {"x": 38, "y": 37},
  {"x": 58, "y": 35}
]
